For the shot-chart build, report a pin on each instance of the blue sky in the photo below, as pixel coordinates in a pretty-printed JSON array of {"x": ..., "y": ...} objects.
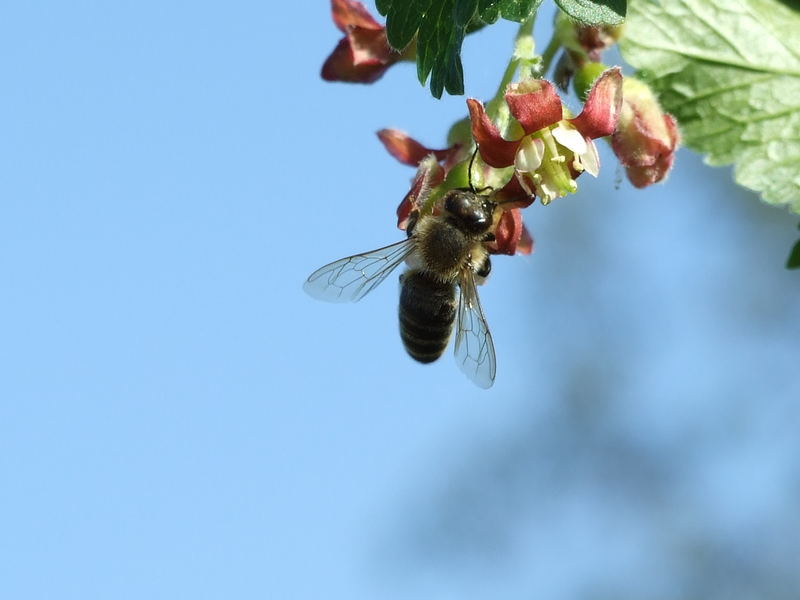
[{"x": 178, "y": 420}]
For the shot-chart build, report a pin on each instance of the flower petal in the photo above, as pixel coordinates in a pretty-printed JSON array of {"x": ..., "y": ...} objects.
[
  {"x": 370, "y": 46},
  {"x": 602, "y": 107},
  {"x": 591, "y": 159},
  {"x": 507, "y": 233},
  {"x": 529, "y": 155},
  {"x": 495, "y": 151},
  {"x": 512, "y": 195},
  {"x": 672, "y": 129},
  {"x": 349, "y": 13},
  {"x": 339, "y": 66},
  {"x": 525, "y": 244},
  {"x": 534, "y": 103},
  {"x": 429, "y": 174},
  {"x": 570, "y": 138},
  {"x": 641, "y": 177},
  {"x": 408, "y": 150}
]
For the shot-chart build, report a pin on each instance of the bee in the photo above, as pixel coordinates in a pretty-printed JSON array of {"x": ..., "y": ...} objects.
[{"x": 446, "y": 258}]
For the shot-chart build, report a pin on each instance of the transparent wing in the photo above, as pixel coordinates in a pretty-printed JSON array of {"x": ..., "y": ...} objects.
[
  {"x": 474, "y": 348},
  {"x": 350, "y": 279}
]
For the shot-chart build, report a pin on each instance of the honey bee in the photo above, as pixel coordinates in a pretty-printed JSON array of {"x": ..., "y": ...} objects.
[{"x": 446, "y": 257}]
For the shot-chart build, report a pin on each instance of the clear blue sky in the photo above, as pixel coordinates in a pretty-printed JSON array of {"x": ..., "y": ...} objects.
[{"x": 177, "y": 420}]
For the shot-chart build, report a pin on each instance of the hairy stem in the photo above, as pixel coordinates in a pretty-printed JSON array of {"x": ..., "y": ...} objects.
[
  {"x": 524, "y": 59},
  {"x": 549, "y": 52}
]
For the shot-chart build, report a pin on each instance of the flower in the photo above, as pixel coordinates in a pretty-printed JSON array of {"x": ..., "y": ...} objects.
[
  {"x": 646, "y": 137},
  {"x": 552, "y": 150},
  {"x": 433, "y": 169},
  {"x": 364, "y": 54}
]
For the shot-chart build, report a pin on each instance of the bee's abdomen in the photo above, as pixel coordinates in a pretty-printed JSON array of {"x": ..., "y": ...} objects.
[{"x": 427, "y": 312}]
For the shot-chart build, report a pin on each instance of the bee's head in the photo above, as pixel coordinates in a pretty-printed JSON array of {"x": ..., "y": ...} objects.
[{"x": 472, "y": 212}]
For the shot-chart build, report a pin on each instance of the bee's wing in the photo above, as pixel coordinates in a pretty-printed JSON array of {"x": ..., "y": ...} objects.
[
  {"x": 350, "y": 279},
  {"x": 474, "y": 348}
]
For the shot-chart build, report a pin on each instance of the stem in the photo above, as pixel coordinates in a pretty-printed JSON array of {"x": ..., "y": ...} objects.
[
  {"x": 525, "y": 49},
  {"x": 547, "y": 57},
  {"x": 524, "y": 53},
  {"x": 493, "y": 106}
]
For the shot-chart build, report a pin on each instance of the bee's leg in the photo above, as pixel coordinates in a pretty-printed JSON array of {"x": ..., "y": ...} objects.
[
  {"x": 412, "y": 222},
  {"x": 485, "y": 267}
]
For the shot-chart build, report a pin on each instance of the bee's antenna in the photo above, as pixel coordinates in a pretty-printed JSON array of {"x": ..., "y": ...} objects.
[{"x": 469, "y": 174}]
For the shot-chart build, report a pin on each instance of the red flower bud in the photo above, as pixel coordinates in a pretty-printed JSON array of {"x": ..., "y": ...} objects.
[
  {"x": 646, "y": 138},
  {"x": 593, "y": 40}
]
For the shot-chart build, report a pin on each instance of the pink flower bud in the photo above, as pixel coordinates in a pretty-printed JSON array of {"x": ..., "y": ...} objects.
[{"x": 646, "y": 137}]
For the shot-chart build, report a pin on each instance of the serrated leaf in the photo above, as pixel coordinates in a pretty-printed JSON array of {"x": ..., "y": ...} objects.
[
  {"x": 518, "y": 10},
  {"x": 440, "y": 27},
  {"x": 730, "y": 73},
  {"x": 595, "y": 12},
  {"x": 488, "y": 11},
  {"x": 403, "y": 18}
]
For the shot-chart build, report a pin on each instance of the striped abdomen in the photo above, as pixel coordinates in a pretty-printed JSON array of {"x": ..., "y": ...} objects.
[{"x": 427, "y": 312}]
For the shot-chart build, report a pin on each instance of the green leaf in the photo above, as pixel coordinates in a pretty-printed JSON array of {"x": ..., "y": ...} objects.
[
  {"x": 595, "y": 12},
  {"x": 518, "y": 10},
  {"x": 488, "y": 11},
  {"x": 730, "y": 73},
  {"x": 793, "y": 262},
  {"x": 440, "y": 27},
  {"x": 794, "y": 257},
  {"x": 403, "y": 18}
]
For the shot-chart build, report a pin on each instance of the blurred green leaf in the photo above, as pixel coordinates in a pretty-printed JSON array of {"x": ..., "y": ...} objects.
[
  {"x": 793, "y": 262},
  {"x": 595, "y": 12},
  {"x": 794, "y": 257},
  {"x": 518, "y": 10},
  {"x": 730, "y": 73}
]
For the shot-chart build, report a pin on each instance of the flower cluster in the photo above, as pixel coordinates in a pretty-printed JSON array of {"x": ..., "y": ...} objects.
[
  {"x": 529, "y": 147},
  {"x": 646, "y": 137},
  {"x": 552, "y": 150}
]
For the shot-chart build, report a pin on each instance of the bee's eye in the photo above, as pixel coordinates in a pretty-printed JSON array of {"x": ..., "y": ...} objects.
[
  {"x": 470, "y": 211},
  {"x": 456, "y": 204}
]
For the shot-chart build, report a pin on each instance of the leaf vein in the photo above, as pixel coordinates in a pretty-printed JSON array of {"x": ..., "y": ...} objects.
[
  {"x": 718, "y": 34},
  {"x": 759, "y": 18}
]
